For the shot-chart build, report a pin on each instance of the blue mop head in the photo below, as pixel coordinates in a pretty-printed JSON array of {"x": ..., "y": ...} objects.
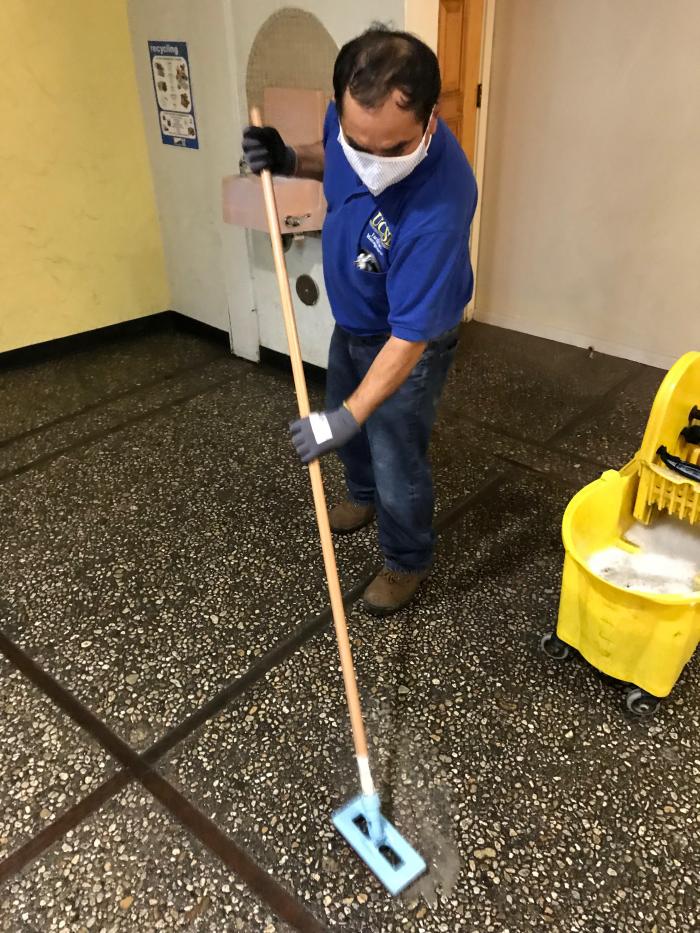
[{"x": 379, "y": 844}]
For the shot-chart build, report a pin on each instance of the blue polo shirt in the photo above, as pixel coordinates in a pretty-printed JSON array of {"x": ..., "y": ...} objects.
[{"x": 417, "y": 278}]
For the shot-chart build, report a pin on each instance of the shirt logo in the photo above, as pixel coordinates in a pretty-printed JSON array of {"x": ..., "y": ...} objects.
[{"x": 379, "y": 224}]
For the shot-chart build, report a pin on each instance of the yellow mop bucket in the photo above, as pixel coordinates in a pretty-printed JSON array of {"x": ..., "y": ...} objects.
[{"x": 641, "y": 638}]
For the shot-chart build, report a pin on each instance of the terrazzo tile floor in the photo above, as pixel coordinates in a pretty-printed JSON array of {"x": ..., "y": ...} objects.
[
  {"x": 62, "y": 383},
  {"x": 158, "y": 553},
  {"x": 46, "y": 762},
  {"x": 130, "y": 866}
]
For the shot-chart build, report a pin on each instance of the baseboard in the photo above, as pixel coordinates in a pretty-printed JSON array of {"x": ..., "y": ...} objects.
[
  {"x": 149, "y": 324},
  {"x": 193, "y": 326},
  {"x": 513, "y": 322}
]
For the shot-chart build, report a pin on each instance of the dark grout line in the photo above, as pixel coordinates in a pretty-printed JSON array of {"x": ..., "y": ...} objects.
[
  {"x": 598, "y": 406},
  {"x": 516, "y": 439},
  {"x": 511, "y": 461},
  {"x": 282, "y": 650},
  {"x": 208, "y": 833},
  {"x": 20, "y": 858},
  {"x": 565, "y": 479},
  {"x": 537, "y": 445},
  {"x": 140, "y": 766},
  {"x": 126, "y": 755},
  {"x": 301, "y": 634},
  {"x": 107, "y": 400},
  {"x": 68, "y": 702},
  {"x": 107, "y": 432},
  {"x": 450, "y": 516}
]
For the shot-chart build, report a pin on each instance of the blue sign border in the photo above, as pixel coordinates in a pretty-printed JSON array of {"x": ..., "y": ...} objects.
[{"x": 175, "y": 50}]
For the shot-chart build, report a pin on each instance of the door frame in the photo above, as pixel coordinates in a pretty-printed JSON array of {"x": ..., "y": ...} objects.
[
  {"x": 487, "y": 34},
  {"x": 238, "y": 268}
]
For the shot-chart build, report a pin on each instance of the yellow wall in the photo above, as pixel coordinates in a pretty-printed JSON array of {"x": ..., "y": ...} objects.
[{"x": 80, "y": 243}]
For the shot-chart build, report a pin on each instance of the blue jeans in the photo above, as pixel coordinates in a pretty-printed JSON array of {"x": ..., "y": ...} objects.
[{"x": 387, "y": 463}]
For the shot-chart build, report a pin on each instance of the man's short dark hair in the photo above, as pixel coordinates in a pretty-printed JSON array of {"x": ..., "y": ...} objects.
[{"x": 382, "y": 60}]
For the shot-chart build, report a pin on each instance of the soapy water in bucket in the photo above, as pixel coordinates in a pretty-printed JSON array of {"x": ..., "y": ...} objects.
[{"x": 667, "y": 559}]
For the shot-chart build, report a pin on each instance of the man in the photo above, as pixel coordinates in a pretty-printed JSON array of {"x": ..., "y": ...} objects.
[{"x": 401, "y": 197}]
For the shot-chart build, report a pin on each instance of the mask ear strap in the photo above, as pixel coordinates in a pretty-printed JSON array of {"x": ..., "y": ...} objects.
[{"x": 430, "y": 138}]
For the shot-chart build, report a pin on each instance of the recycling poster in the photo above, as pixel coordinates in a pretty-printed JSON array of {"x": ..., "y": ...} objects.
[{"x": 173, "y": 86}]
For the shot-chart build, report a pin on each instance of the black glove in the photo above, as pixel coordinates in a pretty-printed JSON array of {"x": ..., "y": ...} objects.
[
  {"x": 264, "y": 148},
  {"x": 322, "y": 431}
]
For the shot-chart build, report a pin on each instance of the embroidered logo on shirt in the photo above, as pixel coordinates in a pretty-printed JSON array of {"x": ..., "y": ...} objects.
[
  {"x": 376, "y": 243},
  {"x": 379, "y": 224}
]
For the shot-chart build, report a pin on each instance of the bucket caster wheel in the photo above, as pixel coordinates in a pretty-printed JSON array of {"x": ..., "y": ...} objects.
[
  {"x": 640, "y": 703},
  {"x": 554, "y": 647}
]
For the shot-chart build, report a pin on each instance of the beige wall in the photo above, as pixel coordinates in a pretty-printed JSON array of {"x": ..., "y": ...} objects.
[{"x": 591, "y": 210}]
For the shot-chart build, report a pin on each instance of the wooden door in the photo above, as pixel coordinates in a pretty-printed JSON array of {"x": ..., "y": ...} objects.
[{"x": 460, "y": 26}]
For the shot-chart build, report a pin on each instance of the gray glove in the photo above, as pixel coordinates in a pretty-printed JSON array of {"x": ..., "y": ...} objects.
[{"x": 322, "y": 431}]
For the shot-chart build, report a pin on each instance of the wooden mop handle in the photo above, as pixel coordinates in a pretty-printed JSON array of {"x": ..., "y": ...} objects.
[{"x": 324, "y": 528}]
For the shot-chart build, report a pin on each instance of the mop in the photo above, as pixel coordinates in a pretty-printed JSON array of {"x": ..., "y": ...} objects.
[{"x": 378, "y": 843}]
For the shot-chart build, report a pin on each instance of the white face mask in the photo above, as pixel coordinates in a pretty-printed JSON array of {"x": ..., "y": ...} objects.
[{"x": 379, "y": 172}]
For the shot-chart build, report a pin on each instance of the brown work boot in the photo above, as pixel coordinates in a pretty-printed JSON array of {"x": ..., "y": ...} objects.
[
  {"x": 350, "y": 516},
  {"x": 391, "y": 590}
]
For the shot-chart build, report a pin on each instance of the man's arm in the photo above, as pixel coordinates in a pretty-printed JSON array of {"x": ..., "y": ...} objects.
[
  {"x": 390, "y": 369},
  {"x": 310, "y": 161},
  {"x": 328, "y": 430}
]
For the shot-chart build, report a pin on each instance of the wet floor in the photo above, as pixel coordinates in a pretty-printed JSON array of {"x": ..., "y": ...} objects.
[{"x": 174, "y": 738}]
